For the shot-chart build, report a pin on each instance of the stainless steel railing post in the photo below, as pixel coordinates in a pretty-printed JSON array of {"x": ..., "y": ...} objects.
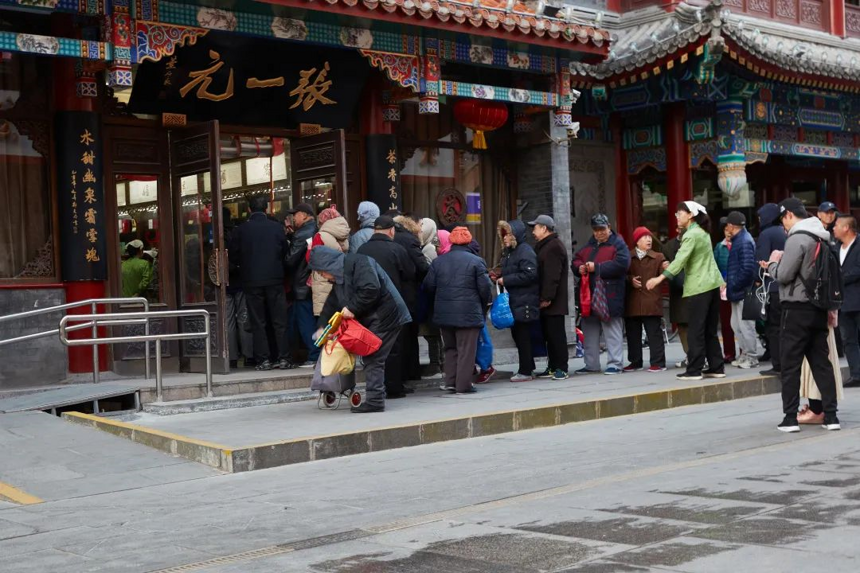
[
  {"x": 159, "y": 393},
  {"x": 147, "y": 368},
  {"x": 95, "y": 347},
  {"x": 208, "y": 341}
]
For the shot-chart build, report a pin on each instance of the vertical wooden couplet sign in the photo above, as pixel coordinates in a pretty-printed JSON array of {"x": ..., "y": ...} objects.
[
  {"x": 80, "y": 195},
  {"x": 383, "y": 172}
]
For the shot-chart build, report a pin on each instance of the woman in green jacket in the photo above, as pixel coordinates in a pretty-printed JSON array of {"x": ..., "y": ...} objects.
[{"x": 702, "y": 285}]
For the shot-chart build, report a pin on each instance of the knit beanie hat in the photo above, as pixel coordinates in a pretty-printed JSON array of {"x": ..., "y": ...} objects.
[
  {"x": 639, "y": 233},
  {"x": 328, "y": 214},
  {"x": 461, "y": 236}
]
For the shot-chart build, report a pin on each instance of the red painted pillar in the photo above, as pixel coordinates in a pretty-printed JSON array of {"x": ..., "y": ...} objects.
[
  {"x": 841, "y": 186},
  {"x": 678, "y": 178},
  {"x": 372, "y": 121},
  {"x": 66, "y": 99},
  {"x": 623, "y": 197},
  {"x": 837, "y": 18}
]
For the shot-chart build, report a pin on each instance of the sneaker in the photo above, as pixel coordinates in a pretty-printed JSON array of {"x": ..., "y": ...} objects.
[
  {"x": 831, "y": 422},
  {"x": 688, "y": 377},
  {"x": 366, "y": 408},
  {"x": 681, "y": 364},
  {"x": 789, "y": 425},
  {"x": 713, "y": 374},
  {"x": 286, "y": 364},
  {"x": 587, "y": 371},
  {"x": 522, "y": 378},
  {"x": 612, "y": 370},
  {"x": 748, "y": 362},
  {"x": 632, "y": 368},
  {"x": 655, "y": 369},
  {"x": 485, "y": 375},
  {"x": 545, "y": 374},
  {"x": 308, "y": 364},
  {"x": 737, "y": 362},
  {"x": 446, "y": 388},
  {"x": 559, "y": 375},
  {"x": 769, "y": 372},
  {"x": 264, "y": 366},
  {"x": 807, "y": 416}
]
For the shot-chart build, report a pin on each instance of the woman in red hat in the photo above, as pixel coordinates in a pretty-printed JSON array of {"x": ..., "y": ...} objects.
[{"x": 644, "y": 307}]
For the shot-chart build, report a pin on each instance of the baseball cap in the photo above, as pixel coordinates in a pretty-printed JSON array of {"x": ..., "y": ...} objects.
[
  {"x": 827, "y": 207},
  {"x": 302, "y": 208},
  {"x": 736, "y": 218},
  {"x": 791, "y": 205},
  {"x": 383, "y": 222},
  {"x": 599, "y": 221},
  {"x": 545, "y": 220}
]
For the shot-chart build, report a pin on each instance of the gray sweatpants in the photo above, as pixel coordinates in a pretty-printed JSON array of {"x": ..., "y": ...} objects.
[
  {"x": 461, "y": 345},
  {"x": 613, "y": 331}
]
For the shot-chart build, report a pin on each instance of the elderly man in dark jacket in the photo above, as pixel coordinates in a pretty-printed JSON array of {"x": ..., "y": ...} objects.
[
  {"x": 408, "y": 234},
  {"x": 740, "y": 276},
  {"x": 552, "y": 278},
  {"x": 770, "y": 239},
  {"x": 606, "y": 257},
  {"x": 520, "y": 278},
  {"x": 845, "y": 232},
  {"x": 460, "y": 288},
  {"x": 257, "y": 250},
  {"x": 397, "y": 264},
  {"x": 299, "y": 233},
  {"x": 363, "y": 291}
]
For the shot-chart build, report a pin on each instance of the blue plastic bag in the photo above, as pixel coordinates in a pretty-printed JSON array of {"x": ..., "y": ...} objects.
[
  {"x": 484, "y": 355},
  {"x": 501, "y": 314}
]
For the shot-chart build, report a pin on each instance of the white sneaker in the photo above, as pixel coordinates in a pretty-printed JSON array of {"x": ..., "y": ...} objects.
[
  {"x": 738, "y": 361},
  {"x": 681, "y": 364},
  {"x": 522, "y": 378},
  {"x": 748, "y": 362}
]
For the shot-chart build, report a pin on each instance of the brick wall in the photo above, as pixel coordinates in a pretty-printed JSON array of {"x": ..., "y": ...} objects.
[{"x": 38, "y": 362}]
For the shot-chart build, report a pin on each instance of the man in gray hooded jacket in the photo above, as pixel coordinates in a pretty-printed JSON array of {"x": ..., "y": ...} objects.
[
  {"x": 364, "y": 292},
  {"x": 804, "y": 326}
]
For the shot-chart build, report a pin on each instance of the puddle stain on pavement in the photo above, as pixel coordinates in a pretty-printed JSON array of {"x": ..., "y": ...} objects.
[
  {"x": 695, "y": 513},
  {"x": 624, "y": 530},
  {"x": 766, "y": 531},
  {"x": 787, "y": 497}
]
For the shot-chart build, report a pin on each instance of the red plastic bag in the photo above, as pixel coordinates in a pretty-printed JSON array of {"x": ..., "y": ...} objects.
[
  {"x": 356, "y": 339},
  {"x": 585, "y": 296}
]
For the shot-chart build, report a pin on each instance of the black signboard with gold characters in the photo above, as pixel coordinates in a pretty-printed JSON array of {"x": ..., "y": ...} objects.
[
  {"x": 80, "y": 191},
  {"x": 383, "y": 172},
  {"x": 253, "y": 82}
]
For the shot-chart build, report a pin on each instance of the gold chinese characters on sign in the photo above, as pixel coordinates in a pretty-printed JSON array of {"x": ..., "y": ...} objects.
[
  {"x": 392, "y": 176},
  {"x": 202, "y": 80},
  {"x": 309, "y": 92},
  {"x": 87, "y": 159}
]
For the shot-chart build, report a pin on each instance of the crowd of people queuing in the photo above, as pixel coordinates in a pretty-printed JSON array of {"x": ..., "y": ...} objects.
[{"x": 403, "y": 277}]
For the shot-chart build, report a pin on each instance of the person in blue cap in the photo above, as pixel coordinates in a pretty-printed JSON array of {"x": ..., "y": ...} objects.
[{"x": 827, "y": 214}]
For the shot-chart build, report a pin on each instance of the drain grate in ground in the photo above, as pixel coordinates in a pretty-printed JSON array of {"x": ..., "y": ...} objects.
[
  {"x": 671, "y": 554},
  {"x": 626, "y": 530},
  {"x": 774, "y": 531},
  {"x": 787, "y": 497},
  {"x": 695, "y": 513}
]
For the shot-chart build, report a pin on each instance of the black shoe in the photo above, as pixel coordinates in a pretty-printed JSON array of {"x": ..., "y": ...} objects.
[
  {"x": 366, "y": 408},
  {"x": 831, "y": 422},
  {"x": 789, "y": 424},
  {"x": 770, "y": 372},
  {"x": 264, "y": 366},
  {"x": 394, "y": 395},
  {"x": 285, "y": 364},
  {"x": 545, "y": 374},
  {"x": 851, "y": 383},
  {"x": 250, "y": 363},
  {"x": 713, "y": 374}
]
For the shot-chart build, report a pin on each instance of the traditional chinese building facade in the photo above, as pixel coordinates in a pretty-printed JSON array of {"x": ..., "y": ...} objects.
[
  {"x": 155, "y": 120},
  {"x": 734, "y": 103}
]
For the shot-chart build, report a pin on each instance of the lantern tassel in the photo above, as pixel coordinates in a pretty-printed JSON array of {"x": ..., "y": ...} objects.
[{"x": 478, "y": 140}]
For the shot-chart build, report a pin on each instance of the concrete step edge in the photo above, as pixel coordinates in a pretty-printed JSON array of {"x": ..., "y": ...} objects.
[{"x": 312, "y": 448}]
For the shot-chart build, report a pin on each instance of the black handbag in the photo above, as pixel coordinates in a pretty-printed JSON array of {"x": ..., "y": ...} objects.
[{"x": 752, "y": 306}]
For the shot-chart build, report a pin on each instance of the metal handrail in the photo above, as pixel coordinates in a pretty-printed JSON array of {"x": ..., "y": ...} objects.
[
  {"x": 122, "y": 318},
  {"x": 93, "y": 303}
]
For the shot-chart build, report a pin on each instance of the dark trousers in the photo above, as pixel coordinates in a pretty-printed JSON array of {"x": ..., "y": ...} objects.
[
  {"x": 522, "y": 333},
  {"x": 411, "y": 363},
  {"x": 849, "y": 325},
  {"x": 773, "y": 320},
  {"x": 461, "y": 344},
  {"x": 726, "y": 329},
  {"x": 804, "y": 335},
  {"x": 556, "y": 342},
  {"x": 261, "y": 300},
  {"x": 394, "y": 364},
  {"x": 702, "y": 333},
  {"x": 306, "y": 324},
  {"x": 656, "y": 345},
  {"x": 374, "y": 368}
]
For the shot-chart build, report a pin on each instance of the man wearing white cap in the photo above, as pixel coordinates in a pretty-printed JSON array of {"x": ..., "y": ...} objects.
[{"x": 136, "y": 272}]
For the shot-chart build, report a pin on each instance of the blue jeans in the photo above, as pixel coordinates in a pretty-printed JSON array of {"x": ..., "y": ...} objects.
[{"x": 306, "y": 323}]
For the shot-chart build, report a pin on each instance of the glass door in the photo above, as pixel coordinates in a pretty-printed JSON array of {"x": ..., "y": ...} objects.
[
  {"x": 319, "y": 171},
  {"x": 202, "y": 259}
]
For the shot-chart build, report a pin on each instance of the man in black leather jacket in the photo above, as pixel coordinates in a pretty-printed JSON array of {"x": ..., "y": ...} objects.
[{"x": 299, "y": 235}]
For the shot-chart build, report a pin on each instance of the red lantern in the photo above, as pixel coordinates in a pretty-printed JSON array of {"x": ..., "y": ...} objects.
[{"x": 480, "y": 116}]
